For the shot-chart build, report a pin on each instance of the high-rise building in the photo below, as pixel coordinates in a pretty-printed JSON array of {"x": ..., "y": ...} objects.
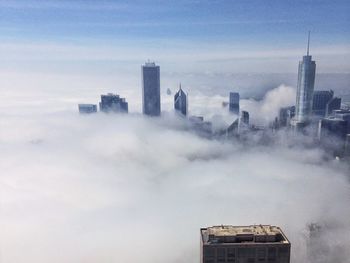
[
  {"x": 285, "y": 115},
  {"x": 180, "y": 102},
  {"x": 347, "y": 145},
  {"x": 333, "y": 104},
  {"x": 113, "y": 103},
  {"x": 87, "y": 108},
  {"x": 245, "y": 117},
  {"x": 305, "y": 89},
  {"x": 256, "y": 243},
  {"x": 320, "y": 101},
  {"x": 151, "y": 89},
  {"x": 234, "y": 102}
]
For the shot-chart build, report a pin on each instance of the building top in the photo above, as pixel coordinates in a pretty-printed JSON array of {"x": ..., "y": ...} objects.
[
  {"x": 243, "y": 234},
  {"x": 150, "y": 64}
]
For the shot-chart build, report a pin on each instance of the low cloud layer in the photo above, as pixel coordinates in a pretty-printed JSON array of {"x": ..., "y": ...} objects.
[{"x": 124, "y": 188}]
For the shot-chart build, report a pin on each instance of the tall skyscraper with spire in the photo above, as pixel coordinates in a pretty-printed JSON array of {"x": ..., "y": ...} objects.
[
  {"x": 151, "y": 89},
  {"x": 180, "y": 102},
  {"x": 305, "y": 89}
]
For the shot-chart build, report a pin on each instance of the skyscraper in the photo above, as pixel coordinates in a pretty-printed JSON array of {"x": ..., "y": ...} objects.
[
  {"x": 113, "y": 103},
  {"x": 180, "y": 102},
  {"x": 305, "y": 89},
  {"x": 333, "y": 104},
  {"x": 87, "y": 108},
  {"x": 151, "y": 89},
  {"x": 285, "y": 115},
  {"x": 245, "y": 117},
  {"x": 257, "y": 243},
  {"x": 320, "y": 100},
  {"x": 234, "y": 102}
]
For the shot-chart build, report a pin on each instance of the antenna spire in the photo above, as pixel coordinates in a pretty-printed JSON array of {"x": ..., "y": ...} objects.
[{"x": 308, "y": 43}]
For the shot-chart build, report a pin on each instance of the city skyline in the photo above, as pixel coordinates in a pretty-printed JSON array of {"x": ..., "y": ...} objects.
[{"x": 106, "y": 158}]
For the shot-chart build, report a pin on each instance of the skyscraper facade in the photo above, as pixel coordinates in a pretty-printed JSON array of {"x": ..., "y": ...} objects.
[
  {"x": 87, "y": 108},
  {"x": 180, "y": 102},
  {"x": 257, "y": 243},
  {"x": 305, "y": 89},
  {"x": 333, "y": 104},
  {"x": 320, "y": 100},
  {"x": 245, "y": 117},
  {"x": 234, "y": 102},
  {"x": 113, "y": 103},
  {"x": 151, "y": 89}
]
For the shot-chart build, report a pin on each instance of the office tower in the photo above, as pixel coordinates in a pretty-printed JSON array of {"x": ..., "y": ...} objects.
[
  {"x": 151, "y": 89},
  {"x": 320, "y": 101},
  {"x": 332, "y": 134},
  {"x": 347, "y": 145},
  {"x": 180, "y": 102},
  {"x": 234, "y": 102},
  {"x": 113, "y": 103},
  {"x": 333, "y": 104},
  {"x": 87, "y": 108},
  {"x": 245, "y": 117},
  {"x": 305, "y": 89},
  {"x": 285, "y": 115},
  {"x": 257, "y": 243}
]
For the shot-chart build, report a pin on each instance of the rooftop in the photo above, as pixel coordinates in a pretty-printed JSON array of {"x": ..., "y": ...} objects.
[{"x": 243, "y": 234}]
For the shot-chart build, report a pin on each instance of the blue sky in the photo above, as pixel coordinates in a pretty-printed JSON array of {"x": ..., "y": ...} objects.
[{"x": 189, "y": 27}]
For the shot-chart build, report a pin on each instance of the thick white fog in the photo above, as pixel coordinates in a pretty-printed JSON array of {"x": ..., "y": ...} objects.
[{"x": 124, "y": 188}]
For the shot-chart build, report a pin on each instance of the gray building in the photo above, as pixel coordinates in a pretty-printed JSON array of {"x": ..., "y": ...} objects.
[
  {"x": 87, "y": 108},
  {"x": 180, "y": 102},
  {"x": 238, "y": 244},
  {"x": 333, "y": 104},
  {"x": 113, "y": 103},
  {"x": 347, "y": 145},
  {"x": 332, "y": 134},
  {"x": 285, "y": 115},
  {"x": 305, "y": 89},
  {"x": 245, "y": 118},
  {"x": 150, "y": 89},
  {"x": 320, "y": 101},
  {"x": 234, "y": 102}
]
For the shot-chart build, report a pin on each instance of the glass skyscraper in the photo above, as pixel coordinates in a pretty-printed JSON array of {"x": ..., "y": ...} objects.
[
  {"x": 151, "y": 89},
  {"x": 234, "y": 102},
  {"x": 305, "y": 89},
  {"x": 180, "y": 102}
]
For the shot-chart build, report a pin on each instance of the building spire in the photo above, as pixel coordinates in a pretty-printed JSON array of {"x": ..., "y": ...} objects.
[
  {"x": 308, "y": 43},
  {"x": 180, "y": 86}
]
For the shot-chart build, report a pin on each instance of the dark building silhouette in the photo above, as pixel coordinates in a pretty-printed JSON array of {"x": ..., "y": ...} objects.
[
  {"x": 305, "y": 90},
  {"x": 234, "y": 102},
  {"x": 150, "y": 89},
  {"x": 333, "y": 104},
  {"x": 180, "y": 102},
  {"x": 320, "y": 101},
  {"x": 113, "y": 103},
  {"x": 285, "y": 115},
  {"x": 257, "y": 243},
  {"x": 87, "y": 108},
  {"x": 245, "y": 117},
  {"x": 332, "y": 134},
  {"x": 347, "y": 145}
]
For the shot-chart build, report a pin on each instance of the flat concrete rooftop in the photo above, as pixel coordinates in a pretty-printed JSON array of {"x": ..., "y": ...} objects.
[{"x": 243, "y": 234}]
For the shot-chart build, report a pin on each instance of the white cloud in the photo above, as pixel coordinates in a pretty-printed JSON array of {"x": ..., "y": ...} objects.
[{"x": 131, "y": 189}]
